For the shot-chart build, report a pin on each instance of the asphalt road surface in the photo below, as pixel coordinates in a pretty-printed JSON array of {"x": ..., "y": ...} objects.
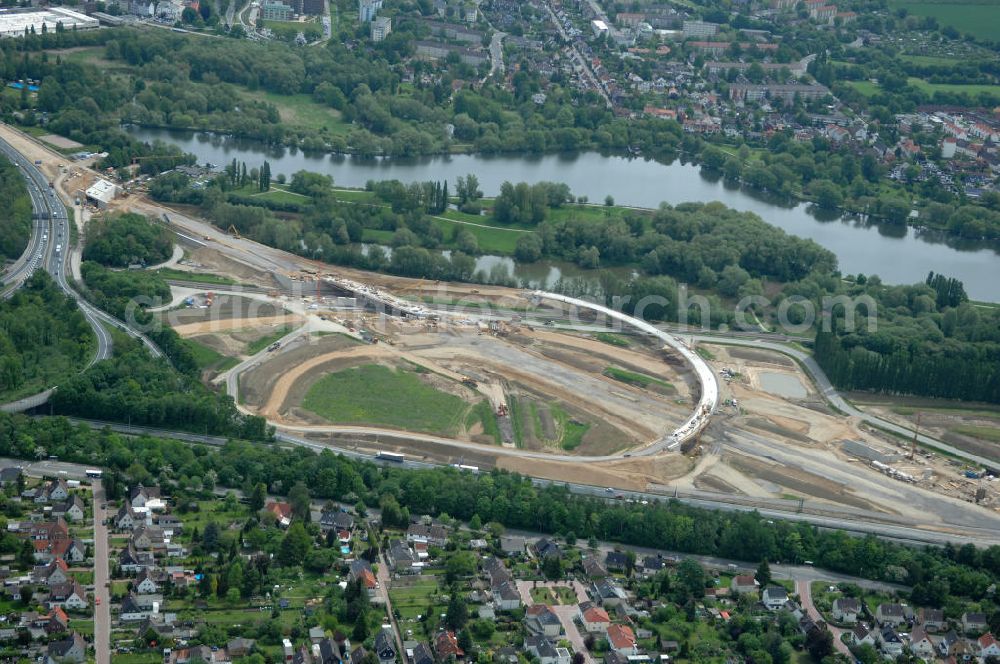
[{"x": 102, "y": 612}]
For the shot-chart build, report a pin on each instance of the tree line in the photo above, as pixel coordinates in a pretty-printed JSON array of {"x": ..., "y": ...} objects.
[
  {"x": 120, "y": 240},
  {"x": 15, "y": 211},
  {"x": 515, "y": 502}
]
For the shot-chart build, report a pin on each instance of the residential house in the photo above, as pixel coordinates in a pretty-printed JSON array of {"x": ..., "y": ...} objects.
[
  {"x": 69, "y": 595},
  {"x": 506, "y": 596},
  {"x": 357, "y": 655},
  {"x": 72, "y": 551},
  {"x": 336, "y": 520},
  {"x": 511, "y": 547},
  {"x": 861, "y": 635},
  {"x": 131, "y": 610},
  {"x": 145, "y": 584},
  {"x": 541, "y": 647},
  {"x": 541, "y": 619},
  {"x": 846, "y": 610},
  {"x": 360, "y": 569},
  {"x": 54, "y": 572},
  {"x": 652, "y": 564},
  {"x": 889, "y": 642},
  {"x": 932, "y": 619},
  {"x": 921, "y": 644},
  {"x": 422, "y": 654},
  {"x": 49, "y": 530},
  {"x": 616, "y": 561},
  {"x": 433, "y": 535},
  {"x": 947, "y": 643},
  {"x": 141, "y": 496},
  {"x": 744, "y": 583},
  {"x": 988, "y": 646},
  {"x": 402, "y": 560},
  {"x": 622, "y": 639},
  {"x": 593, "y": 568},
  {"x": 974, "y": 623},
  {"x": 594, "y": 618},
  {"x": 10, "y": 475},
  {"x": 964, "y": 650},
  {"x": 446, "y": 645},
  {"x": 385, "y": 646},
  {"x": 131, "y": 561},
  {"x": 282, "y": 512},
  {"x": 53, "y": 491},
  {"x": 327, "y": 651},
  {"x": 890, "y": 614},
  {"x": 774, "y": 597},
  {"x": 240, "y": 647},
  {"x": 127, "y": 518},
  {"x": 146, "y": 538},
  {"x": 70, "y": 649},
  {"x": 72, "y": 509},
  {"x": 546, "y": 547},
  {"x": 608, "y": 593}
]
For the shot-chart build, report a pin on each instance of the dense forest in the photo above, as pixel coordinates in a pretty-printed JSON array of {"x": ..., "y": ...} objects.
[
  {"x": 936, "y": 574},
  {"x": 930, "y": 341},
  {"x": 43, "y": 338},
  {"x": 15, "y": 212},
  {"x": 126, "y": 239},
  {"x": 136, "y": 388}
]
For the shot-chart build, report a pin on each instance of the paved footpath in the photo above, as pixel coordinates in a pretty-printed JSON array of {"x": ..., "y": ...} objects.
[{"x": 804, "y": 590}]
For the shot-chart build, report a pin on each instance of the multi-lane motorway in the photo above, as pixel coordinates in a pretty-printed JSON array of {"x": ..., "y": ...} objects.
[{"x": 49, "y": 249}]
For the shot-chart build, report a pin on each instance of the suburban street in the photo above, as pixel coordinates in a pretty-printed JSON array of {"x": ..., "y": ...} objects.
[
  {"x": 804, "y": 589},
  {"x": 102, "y": 610}
]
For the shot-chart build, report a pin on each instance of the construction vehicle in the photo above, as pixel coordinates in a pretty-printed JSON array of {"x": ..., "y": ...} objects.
[
  {"x": 502, "y": 410},
  {"x": 468, "y": 382},
  {"x": 235, "y": 233}
]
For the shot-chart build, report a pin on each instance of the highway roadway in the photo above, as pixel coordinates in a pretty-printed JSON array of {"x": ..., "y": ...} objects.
[{"x": 49, "y": 249}]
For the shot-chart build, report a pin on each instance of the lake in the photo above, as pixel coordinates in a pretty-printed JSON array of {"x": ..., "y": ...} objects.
[{"x": 897, "y": 255}]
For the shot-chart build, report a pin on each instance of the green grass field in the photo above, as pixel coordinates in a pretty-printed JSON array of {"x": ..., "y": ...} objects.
[
  {"x": 302, "y": 110},
  {"x": 976, "y": 18},
  {"x": 209, "y": 358},
  {"x": 613, "y": 339},
  {"x": 373, "y": 394},
  {"x": 255, "y": 347},
  {"x": 573, "y": 431},
  {"x": 482, "y": 413},
  {"x": 203, "y": 277},
  {"x": 991, "y": 434},
  {"x": 637, "y": 379}
]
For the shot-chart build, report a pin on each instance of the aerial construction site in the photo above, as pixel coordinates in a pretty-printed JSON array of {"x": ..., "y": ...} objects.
[{"x": 487, "y": 377}]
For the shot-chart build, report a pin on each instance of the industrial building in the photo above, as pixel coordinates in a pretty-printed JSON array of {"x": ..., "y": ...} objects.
[
  {"x": 101, "y": 193},
  {"x": 15, "y": 22}
]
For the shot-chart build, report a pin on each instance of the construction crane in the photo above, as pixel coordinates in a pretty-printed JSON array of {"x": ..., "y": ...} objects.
[{"x": 913, "y": 443}]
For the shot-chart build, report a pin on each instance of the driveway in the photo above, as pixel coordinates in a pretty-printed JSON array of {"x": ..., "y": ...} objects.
[
  {"x": 566, "y": 612},
  {"x": 102, "y": 613},
  {"x": 804, "y": 589}
]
